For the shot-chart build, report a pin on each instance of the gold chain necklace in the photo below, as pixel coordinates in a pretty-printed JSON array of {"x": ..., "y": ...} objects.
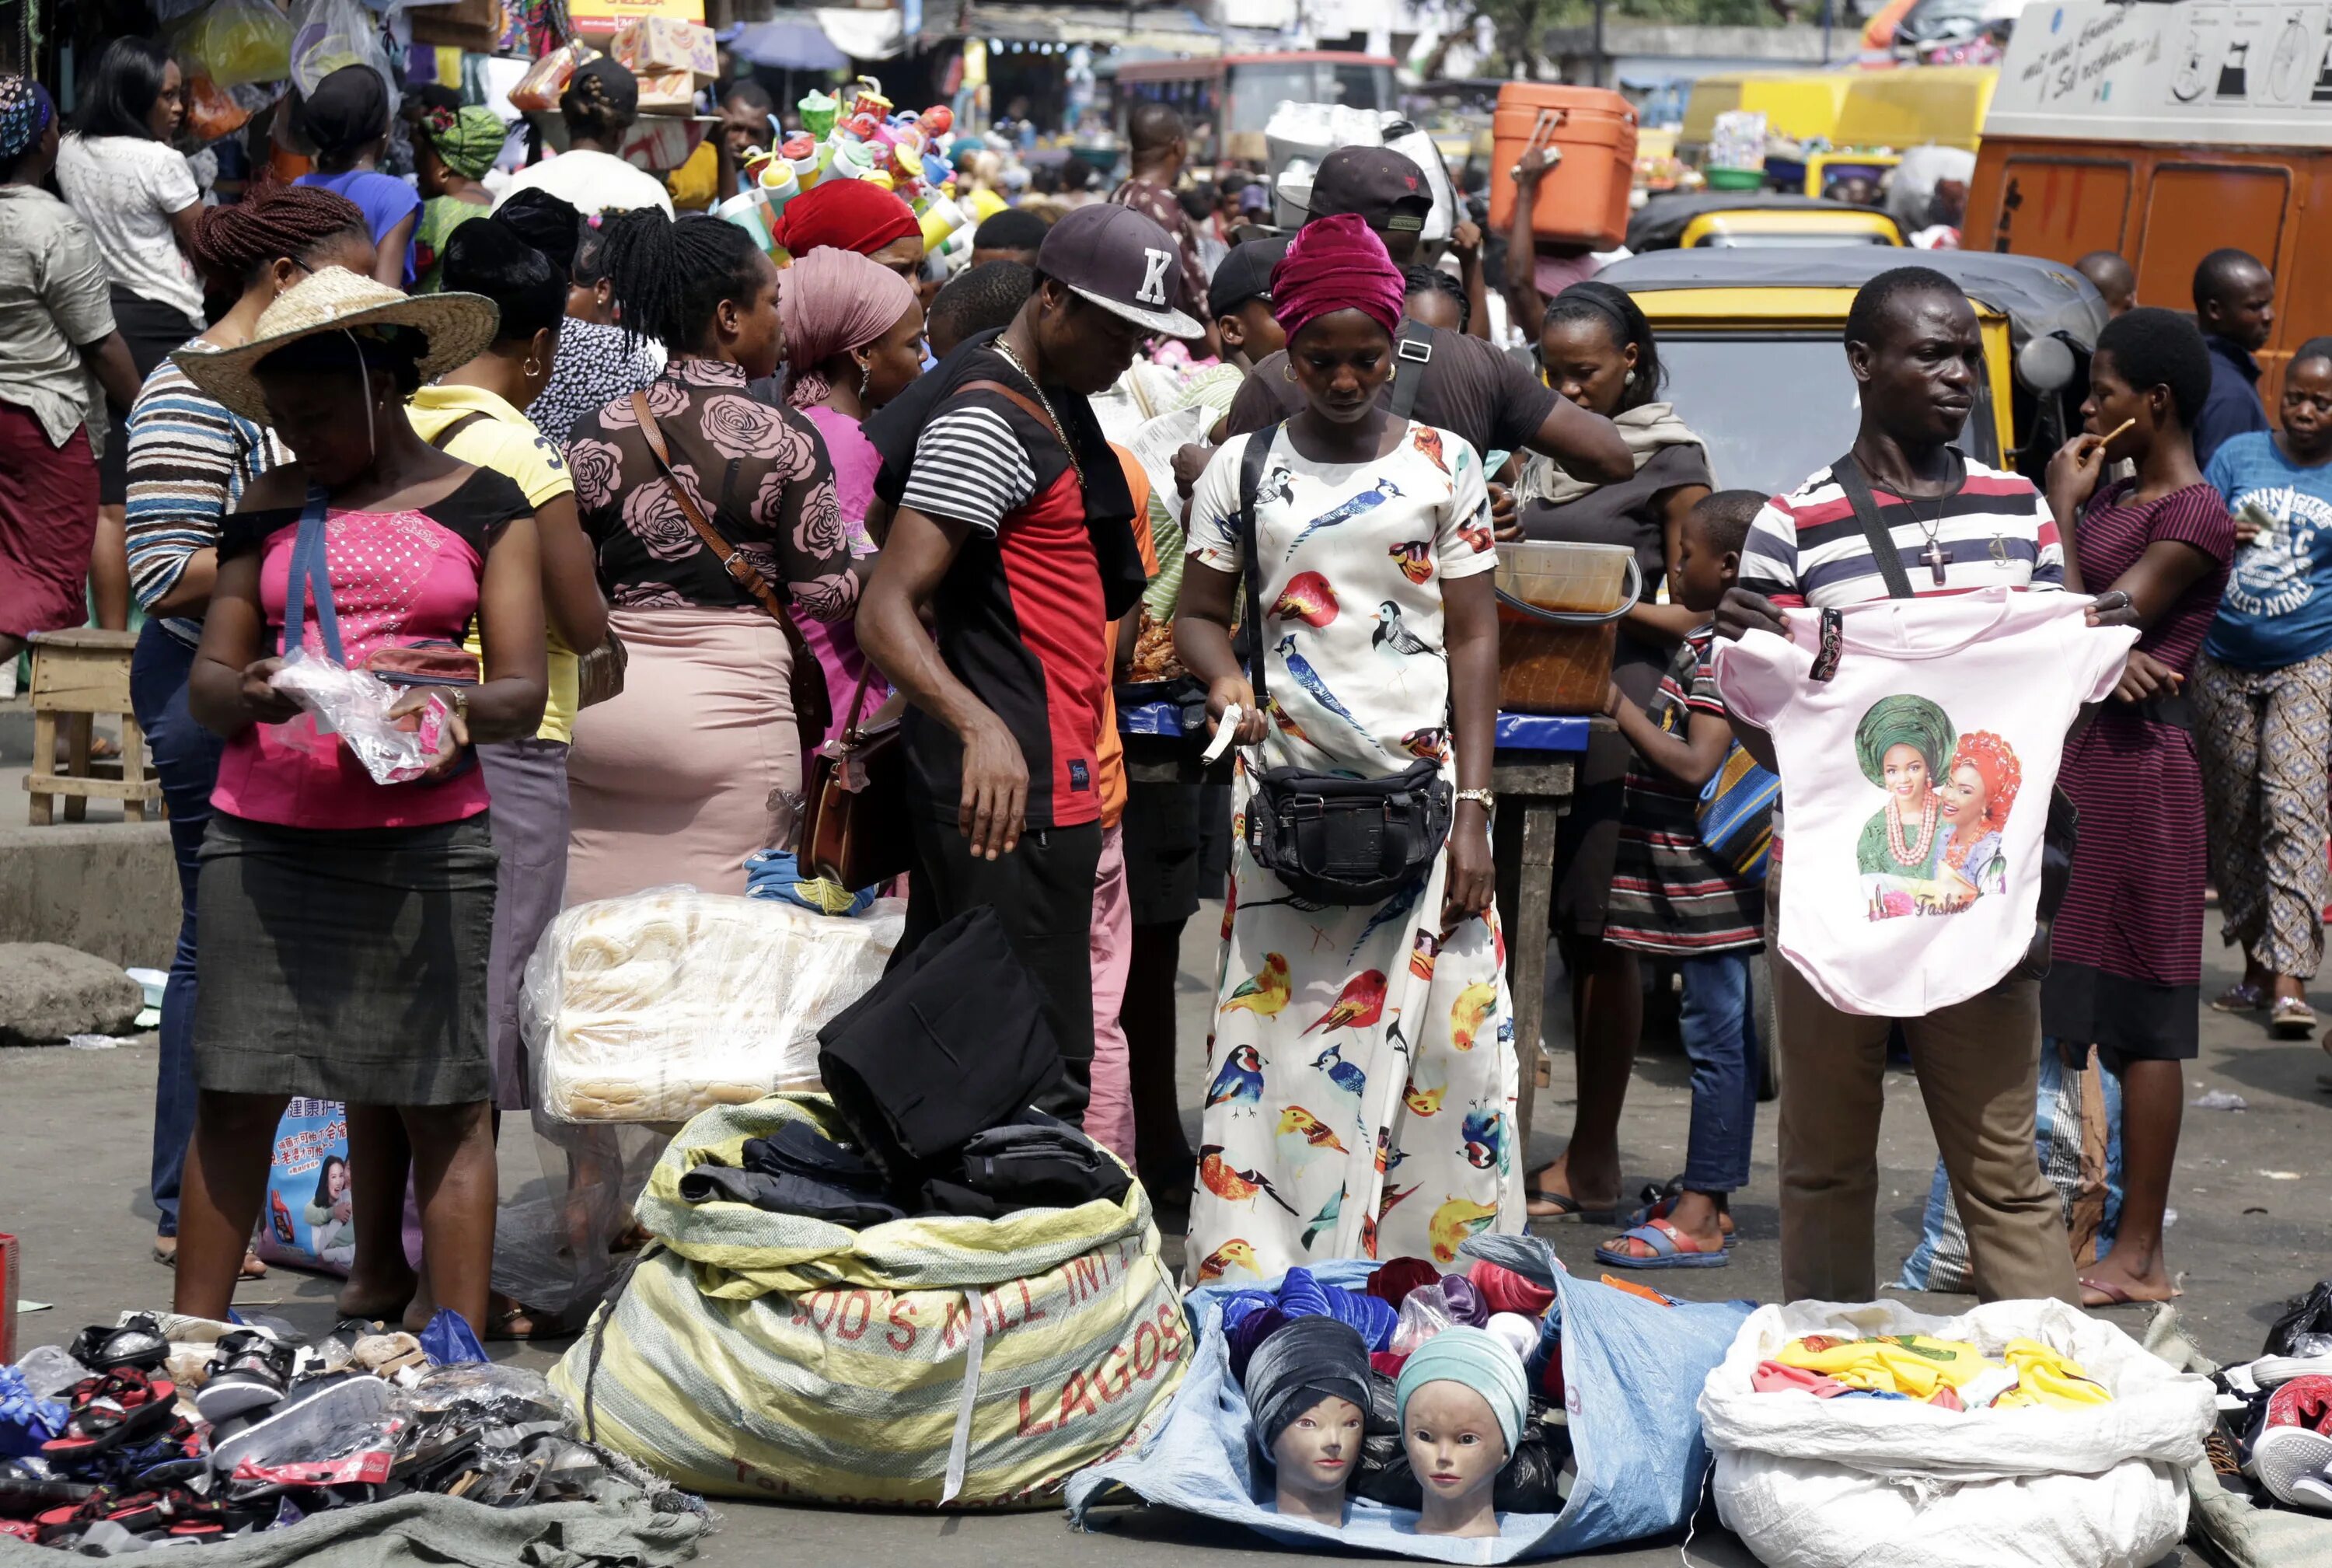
[{"x": 1060, "y": 431}]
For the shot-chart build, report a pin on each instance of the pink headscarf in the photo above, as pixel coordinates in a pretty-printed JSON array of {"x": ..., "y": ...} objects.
[
  {"x": 832, "y": 301},
  {"x": 1336, "y": 264}
]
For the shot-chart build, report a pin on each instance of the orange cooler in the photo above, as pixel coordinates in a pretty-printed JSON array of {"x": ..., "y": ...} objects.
[{"x": 1583, "y": 198}]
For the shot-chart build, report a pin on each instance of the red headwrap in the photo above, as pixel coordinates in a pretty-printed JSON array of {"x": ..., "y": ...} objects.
[
  {"x": 850, "y": 214},
  {"x": 1334, "y": 263},
  {"x": 1997, "y": 766}
]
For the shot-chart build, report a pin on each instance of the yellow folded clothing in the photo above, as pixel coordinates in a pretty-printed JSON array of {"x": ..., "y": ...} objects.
[
  {"x": 2046, "y": 1379},
  {"x": 1911, "y": 1364}
]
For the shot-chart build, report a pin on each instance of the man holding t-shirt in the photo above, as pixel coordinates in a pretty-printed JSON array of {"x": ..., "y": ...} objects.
[
  {"x": 1957, "y": 526},
  {"x": 1012, "y": 527}
]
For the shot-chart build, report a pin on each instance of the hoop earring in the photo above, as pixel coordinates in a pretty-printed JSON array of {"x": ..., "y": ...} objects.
[
  {"x": 532, "y": 366},
  {"x": 1393, "y": 375},
  {"x": 1288, "y": 371},
  {"x": 866, "y": 378}
]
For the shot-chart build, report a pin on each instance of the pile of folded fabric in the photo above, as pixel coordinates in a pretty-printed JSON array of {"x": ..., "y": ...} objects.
[
  {"x": 1950, "y": 1375},
  {"x": 171, "y": 1431}
]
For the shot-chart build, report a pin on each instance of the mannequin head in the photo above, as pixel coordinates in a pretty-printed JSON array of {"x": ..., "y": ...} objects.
[
  {"x": 1307, "y": 1386},
  {"x": 1464, "y": 1396}
]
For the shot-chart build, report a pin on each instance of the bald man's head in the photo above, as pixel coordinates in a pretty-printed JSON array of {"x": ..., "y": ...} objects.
[
  {"x": 1159, "y": 137},
  {"x": 2234, "y": 298},
  {"x": 2112, "y": 278}
]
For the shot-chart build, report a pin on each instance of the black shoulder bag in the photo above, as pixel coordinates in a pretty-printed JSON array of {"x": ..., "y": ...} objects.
[
  {"x": 2061, "y": 832},
  {"x": 1329, "y": 839}
]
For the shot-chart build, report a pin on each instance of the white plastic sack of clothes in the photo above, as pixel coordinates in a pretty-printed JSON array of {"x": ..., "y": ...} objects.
[
  {"x": 1830, "y": 1483},
  {"x": 1629, "y": 1370},
  {"x": 653, "y": 1007},
  {"x": 1299, "y": 135}
]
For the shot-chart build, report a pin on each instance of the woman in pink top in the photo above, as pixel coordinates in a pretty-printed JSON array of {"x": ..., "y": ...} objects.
[
  {"x": 346, "y": 923},
  {"x": 854, "y": 341}
]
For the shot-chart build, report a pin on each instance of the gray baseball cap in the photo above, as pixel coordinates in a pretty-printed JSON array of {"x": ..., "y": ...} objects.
[{"x": 1122, "y": 261}]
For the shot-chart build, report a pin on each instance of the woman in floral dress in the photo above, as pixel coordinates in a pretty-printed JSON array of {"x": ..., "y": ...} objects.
[
  {"x": 1361, "y": 1102},
  {"x": 683, "y": 775}
]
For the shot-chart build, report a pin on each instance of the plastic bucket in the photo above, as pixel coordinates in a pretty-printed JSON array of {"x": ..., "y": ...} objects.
[{"x": 1559, "y": 609}]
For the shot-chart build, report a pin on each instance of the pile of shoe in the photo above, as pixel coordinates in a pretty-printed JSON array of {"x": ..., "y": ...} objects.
[
  {"x": 129, "y": 1439},
  {"x": 2275, "y": 1421}
]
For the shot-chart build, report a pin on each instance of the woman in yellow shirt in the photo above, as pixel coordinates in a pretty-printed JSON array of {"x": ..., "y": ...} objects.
[{"x": 472, "y": 413}]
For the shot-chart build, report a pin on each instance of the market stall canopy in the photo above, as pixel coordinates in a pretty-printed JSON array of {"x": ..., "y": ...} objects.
[
  {"x": 788, "y": 45},
  {"x": 1173, "y": 31},
  {"x": 2038, "y": 297}
]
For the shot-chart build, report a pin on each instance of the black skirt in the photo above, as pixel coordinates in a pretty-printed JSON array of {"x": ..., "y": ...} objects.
[{"x": 345, "y": 964}]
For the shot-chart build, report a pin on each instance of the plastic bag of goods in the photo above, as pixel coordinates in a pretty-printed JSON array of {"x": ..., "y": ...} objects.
[
  {"x": 940, "y": 1361},
  {"x": 652, "y": 1007},
  {"x": 238, "y": 41},
  {"x": 328, "y": 34},
  {"x": 1825, "y": 1483}
]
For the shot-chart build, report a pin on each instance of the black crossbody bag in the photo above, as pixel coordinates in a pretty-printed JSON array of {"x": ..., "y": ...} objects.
[
  {"x": 1329, "y": 839},
  {"x": 2062, "y": 831}
]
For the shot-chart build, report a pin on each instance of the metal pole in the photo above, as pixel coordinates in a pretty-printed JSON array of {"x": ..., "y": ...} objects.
[{"x": 1827, "y": 7}]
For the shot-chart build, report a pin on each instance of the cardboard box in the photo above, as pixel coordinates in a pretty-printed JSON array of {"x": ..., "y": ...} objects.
[
  {"x": 655, "y": 45},
  {"x": 668, "y": 92},
  {"x": 603, "y": 18}
]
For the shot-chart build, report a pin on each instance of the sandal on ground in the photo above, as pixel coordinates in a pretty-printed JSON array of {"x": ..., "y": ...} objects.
[
  {"x": 1660, "y": 1203},
  {"x": 134, "y": 1343},
  {"x": 2241, "y": 997},
  {"x": 1671, "y": 1248},
  {"x": 2120, "y": 1295},
  {"x": 2291, "y": 1018},
  {"x": 1568, "y": 1209},
  {"x": 108, "y": 1412}
]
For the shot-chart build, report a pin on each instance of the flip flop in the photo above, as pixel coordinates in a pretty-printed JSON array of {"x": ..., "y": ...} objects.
[
  {"x": 2291, "y": 1019},
  {"x": 1568, "y": 1210},
  {"x": 2240, "y": 998},
  {"x": 2115, "y": 1295},
  {"x": 1661, "y": 1209},
  {"x": 1671, "y": 1248}
]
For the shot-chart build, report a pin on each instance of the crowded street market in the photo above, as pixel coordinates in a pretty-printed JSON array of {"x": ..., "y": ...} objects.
[{"x": 1039, "y": 978}]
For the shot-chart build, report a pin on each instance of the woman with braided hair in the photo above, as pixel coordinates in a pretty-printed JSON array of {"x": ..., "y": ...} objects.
[
  {"x": 190, "y": 460},
  {"x": 688, "y": 771}
]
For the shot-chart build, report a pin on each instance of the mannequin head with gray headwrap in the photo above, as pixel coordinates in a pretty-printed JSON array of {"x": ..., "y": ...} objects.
[
  {"x": 1464, "y": 1396},
  {"x": 1308, "y": 1387}
]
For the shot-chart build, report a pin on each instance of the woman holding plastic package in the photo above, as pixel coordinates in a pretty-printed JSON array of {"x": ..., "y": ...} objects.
[{"x": 347, "y": 923}]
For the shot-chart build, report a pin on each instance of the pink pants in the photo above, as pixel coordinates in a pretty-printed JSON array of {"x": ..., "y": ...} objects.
[{"x": 1109, "y": 1117}]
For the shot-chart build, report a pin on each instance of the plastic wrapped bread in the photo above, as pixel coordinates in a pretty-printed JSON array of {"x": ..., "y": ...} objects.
[{"x": 653, "y": 1007}]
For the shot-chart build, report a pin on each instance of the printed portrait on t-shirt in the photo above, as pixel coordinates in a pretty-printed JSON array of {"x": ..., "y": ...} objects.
[{"x": 1934, "y": 844}]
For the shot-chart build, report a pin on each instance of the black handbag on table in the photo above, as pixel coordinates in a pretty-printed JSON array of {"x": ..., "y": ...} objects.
[{"x": 1332, "y": 839}]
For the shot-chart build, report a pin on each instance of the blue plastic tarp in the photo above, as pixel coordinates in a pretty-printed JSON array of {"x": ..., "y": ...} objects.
[{"x": 1632, "y": 1371}]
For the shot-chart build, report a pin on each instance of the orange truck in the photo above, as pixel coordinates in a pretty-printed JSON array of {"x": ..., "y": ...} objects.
[{"x": 2165, "y": 132}]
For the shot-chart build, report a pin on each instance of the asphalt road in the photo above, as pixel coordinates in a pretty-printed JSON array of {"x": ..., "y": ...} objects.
[{"x": 2252, "y": 1229}]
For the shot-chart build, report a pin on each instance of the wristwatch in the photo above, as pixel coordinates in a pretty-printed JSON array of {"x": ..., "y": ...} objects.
[{"x": 1482, "y": 798}]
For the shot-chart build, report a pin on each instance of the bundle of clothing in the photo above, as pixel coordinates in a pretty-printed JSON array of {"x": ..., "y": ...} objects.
[
  {"x": 934, "y": 1071},
  {"x": 1950, "y": 1375}
]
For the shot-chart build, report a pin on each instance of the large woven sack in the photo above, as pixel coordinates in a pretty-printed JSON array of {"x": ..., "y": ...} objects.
[
  {"x": 1851, "y": 1483},
  {"x": 963, "y": 1363}
]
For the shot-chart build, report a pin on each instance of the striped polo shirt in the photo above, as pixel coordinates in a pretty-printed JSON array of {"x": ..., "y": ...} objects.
[{"x": 1807, "y": 548}]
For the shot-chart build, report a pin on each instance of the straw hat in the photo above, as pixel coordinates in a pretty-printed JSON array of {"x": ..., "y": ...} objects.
[{"x": 456, "y": 328}]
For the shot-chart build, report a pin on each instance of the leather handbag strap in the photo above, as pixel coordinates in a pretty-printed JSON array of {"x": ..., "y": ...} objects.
[
  {"x": 1251, "y": 465},
  {"x": 446, "y": 432},
  {"x": 740, "y": 571}
]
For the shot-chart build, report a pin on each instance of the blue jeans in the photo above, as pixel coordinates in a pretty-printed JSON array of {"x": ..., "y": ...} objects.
[
  {"x": 1720, "y": 1038},
  {"x": 186, "y": 756}
]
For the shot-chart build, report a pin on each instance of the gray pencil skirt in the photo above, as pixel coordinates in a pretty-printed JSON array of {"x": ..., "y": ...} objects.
[{"x": 345, "y": 964}]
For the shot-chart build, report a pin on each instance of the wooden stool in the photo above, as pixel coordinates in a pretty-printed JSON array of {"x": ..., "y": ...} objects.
[{"x": 77, "y": 675}]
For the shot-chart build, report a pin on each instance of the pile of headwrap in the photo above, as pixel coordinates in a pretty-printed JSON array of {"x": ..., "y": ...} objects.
[{"x": 1292, "y": 1346}]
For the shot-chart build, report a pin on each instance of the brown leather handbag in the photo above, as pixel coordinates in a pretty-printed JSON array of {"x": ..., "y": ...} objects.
[
  {"x": 854, "y": 829},
  {"x": 813, "y": 709}
]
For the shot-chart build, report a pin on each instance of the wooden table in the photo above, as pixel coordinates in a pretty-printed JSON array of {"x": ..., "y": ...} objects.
[
  {"x": 78, "y": 674},
  {"x": 1533, "y": 774}
]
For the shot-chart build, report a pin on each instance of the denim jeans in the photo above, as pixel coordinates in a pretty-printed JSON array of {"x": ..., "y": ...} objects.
[
  {"x": 1720, "y": 1038},
  {"x": 186, "y": 756}
]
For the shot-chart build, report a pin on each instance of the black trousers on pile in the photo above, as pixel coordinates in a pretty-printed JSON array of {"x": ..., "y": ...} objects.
[{"x": 1042, "y": 891}]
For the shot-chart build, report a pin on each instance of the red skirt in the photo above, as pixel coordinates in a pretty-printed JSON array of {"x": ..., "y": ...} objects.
[{"x": 48, "y": 522}]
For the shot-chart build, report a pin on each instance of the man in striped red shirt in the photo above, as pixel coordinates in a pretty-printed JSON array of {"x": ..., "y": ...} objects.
[{"x": 1956, "y": 526}]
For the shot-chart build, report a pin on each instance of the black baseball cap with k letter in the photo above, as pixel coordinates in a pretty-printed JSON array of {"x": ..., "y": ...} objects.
[{"x": 1122, "y": 261}]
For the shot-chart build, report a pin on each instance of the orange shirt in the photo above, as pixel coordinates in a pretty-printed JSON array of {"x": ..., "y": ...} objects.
[{"x": 1110, "y": 755}]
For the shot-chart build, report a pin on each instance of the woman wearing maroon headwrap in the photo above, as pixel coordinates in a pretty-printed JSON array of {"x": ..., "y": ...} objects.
[
  {"x": 852, "y": 214},
  {"x": 1364, "y": 1103}
]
